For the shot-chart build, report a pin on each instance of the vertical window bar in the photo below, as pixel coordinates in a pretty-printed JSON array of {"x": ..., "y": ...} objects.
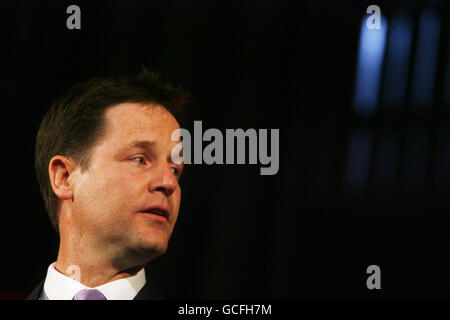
[
  {"x": 369, "y": 68},
  {"x": 425, "y": 61},
  {"x": 397, "y": 62}
]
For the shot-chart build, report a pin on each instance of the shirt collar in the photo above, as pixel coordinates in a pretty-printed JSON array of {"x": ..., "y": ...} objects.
[{"x": 58, "y": 286}]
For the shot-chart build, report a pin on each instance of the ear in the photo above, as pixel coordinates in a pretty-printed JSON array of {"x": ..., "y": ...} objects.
[{"x": 59, "y": 169}]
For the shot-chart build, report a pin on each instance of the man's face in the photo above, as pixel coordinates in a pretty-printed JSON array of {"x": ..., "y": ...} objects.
[{"x": 130, "y": 173}]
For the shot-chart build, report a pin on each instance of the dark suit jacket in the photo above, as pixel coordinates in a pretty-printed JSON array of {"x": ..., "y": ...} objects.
[{"x": 148, "y": 292}]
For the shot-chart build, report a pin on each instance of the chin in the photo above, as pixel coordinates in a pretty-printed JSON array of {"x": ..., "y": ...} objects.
[
  {"x": 152, "y": 247},
  {"x": 149, "y": 241}
]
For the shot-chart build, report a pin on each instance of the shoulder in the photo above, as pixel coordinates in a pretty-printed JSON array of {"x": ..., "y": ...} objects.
[
  {"x": 148, "y": 292},
  {"x": 35, "y": 295}
]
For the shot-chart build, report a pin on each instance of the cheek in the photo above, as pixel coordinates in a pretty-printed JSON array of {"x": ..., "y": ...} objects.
[
  {"x": 105, "y": 195},
  {"x": 176, "y": 198}
]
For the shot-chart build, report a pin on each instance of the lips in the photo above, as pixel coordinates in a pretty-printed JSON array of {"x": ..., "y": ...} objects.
[{"x": 161, "y": 211}]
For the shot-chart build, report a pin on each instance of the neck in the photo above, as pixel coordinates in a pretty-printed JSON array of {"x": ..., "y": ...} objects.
[
  {"x": 77, "y": 259},
  {"x": 93, "y": 276}
]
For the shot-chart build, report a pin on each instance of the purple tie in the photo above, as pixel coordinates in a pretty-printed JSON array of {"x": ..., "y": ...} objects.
[{"x": 89, "y": 294}]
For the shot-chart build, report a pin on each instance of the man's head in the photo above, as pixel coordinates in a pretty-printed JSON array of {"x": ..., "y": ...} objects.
[{"x": 103, "y": 162}]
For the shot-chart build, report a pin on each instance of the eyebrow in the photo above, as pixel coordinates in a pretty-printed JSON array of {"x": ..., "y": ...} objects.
[{"x": 142, "y": 144}]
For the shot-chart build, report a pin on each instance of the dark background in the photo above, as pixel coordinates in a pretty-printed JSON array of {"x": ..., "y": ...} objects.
[{"x": 302, "y": 233}]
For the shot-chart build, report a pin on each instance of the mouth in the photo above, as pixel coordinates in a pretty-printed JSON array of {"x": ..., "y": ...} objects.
[{"x": 158, "y": 212}]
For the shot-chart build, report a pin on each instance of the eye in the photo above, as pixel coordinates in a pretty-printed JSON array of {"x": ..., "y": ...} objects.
[
  {"x": 176, "y": 171},
  {"x": 139, "y": 160}
]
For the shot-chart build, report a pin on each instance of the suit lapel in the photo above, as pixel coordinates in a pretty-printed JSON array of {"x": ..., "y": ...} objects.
[
  {"x": 148, "y": 292},
  {"x": 36, "y": 294}
]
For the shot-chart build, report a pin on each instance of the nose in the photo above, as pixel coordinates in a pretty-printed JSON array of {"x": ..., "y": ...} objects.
[{"x": 162, "y": 179}]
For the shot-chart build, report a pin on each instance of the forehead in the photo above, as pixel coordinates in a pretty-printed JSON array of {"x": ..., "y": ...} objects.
[{"x": 131, "y": 121}]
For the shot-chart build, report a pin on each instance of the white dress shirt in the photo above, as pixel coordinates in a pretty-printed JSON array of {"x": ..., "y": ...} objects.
[{"x": 58, "y": 286}]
